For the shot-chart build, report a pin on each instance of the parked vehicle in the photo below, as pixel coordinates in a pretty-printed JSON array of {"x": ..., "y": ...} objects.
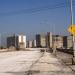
[{"x": 42, "y": 50}]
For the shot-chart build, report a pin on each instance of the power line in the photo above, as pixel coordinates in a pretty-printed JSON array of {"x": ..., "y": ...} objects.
[{"x": 35, "y": 10}]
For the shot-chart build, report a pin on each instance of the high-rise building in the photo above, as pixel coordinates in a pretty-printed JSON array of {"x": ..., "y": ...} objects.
[
  {"x": 34, "y": 43},
  {"x": 57, "y": 41},
  {"x": 16, "y": 41},
  {"x": 22, "y": 41},
  {"x": 27, "y": 44},
  {"x": 64, "y": 41},
  {"x": 40, "y": 40},
  {"x": 12, "y": 41},
  {"x": 30, "y": 44},
  {"x": 69, "y": 41},
  {"x": 49, "y": 40}
]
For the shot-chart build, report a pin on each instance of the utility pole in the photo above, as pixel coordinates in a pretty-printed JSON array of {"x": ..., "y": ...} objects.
[
  {"x": 71, "y": 12},
  {"x": 15, "y": 41},
  {"x": 0, "y": 41},
  {"x": 73, "y": 39},
  {"x": 54, "y": 41}
]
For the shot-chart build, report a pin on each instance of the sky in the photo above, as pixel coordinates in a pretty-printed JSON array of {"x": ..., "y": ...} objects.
[{"x": 35, "y": 16}]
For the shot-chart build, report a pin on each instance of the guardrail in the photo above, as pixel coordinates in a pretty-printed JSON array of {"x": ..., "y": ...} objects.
[{"x": 69, "y": 51}]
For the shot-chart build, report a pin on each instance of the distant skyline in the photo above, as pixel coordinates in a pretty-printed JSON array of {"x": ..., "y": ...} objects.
[{"x": 35, "y": 16}]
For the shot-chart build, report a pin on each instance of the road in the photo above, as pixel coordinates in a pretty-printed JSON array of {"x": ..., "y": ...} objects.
[{"x": 32, "y": 63}]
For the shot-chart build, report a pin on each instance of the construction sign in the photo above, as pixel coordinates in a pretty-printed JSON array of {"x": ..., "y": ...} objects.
[{"x": 71, "y": 29}]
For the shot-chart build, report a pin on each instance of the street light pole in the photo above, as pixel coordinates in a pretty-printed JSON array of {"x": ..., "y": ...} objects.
[{"x": 72, "y": 23}]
